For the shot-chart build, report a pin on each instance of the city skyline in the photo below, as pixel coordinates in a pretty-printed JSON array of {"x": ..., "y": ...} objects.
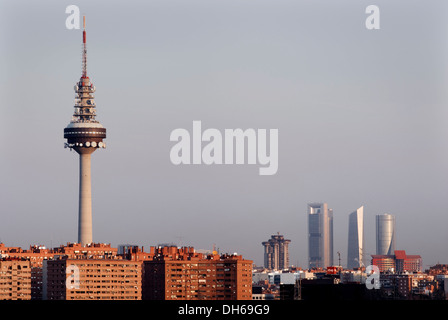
[
  {"x": 275, "y": 257},
  {"x": 361, "y": 117}
]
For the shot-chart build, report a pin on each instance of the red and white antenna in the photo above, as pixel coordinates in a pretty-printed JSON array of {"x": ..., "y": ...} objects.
[{"x": 84, "y": 50}]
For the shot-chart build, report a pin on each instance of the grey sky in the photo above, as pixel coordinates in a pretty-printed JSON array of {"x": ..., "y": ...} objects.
[{"x": 362, "y": 118}]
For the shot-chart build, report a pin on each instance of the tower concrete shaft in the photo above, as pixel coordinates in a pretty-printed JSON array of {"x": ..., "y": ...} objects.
[{"x": 85, "y": 200}]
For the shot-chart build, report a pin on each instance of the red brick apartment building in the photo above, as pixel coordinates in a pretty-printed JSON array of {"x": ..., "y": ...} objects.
[
  {"x": 182, "y": 274},
  {"x": 15, "y": 279},
  {"x": 163, "y": 273},
  {"x": 92, "y": 279},
  {"x": 36, "y": 255}
]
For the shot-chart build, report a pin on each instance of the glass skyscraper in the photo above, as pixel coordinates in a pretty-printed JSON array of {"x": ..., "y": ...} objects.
[
  {"x": 320, "y": 235},
  {"x": 355, "y": 238},
  {"x": 385, "y": 234}
]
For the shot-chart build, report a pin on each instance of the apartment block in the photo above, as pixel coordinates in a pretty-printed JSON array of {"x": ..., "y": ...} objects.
[
  {"x": 37, "y": 254},
  {"x": 182, "y": 274},
  {"x": 92, "y": 279},
  {"x": 15, "y": 279},
  {"x": 276, "y": 252}
]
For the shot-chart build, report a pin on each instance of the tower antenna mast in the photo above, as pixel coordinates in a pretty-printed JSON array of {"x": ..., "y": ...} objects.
[{"x": 84, "y": 48}]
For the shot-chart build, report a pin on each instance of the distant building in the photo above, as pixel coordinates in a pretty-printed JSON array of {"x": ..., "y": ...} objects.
[
  {"x": 355, "y": 239},
  {"x": 15, "y": 279},
  {"x": 438, "y": 269},
  {"x": 399, "y": 262},
  {"x": 278, "y": 278},
  {"x": 350, "y": 276},
  {"x": 124, "y": 248},
  {"x": 276, "y": 252},
  {"x": 331, "y": 289},
  {"x": 409, "y": 286},
  {"x": 385, "y": 234},
  {"x": 258, "y": 294},
  {"x": 135, "y": 253},
  {"x": 182, "y": 274},
  {"x": 320, "y": 235},
  {"x": 289, "y": 292},
  {"x": 443, "y": 280}
]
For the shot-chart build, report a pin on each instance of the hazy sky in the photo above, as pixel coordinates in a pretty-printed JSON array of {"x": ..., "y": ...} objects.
[{"x": 362, "y": 119}]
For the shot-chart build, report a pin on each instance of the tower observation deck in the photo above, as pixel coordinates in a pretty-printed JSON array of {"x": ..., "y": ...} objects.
[{"x": 84, "y": 134}]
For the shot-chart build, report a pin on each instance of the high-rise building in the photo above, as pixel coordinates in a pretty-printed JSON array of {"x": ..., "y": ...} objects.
[
  {"x": 355, "y": 238},
  {"x": 183, "y": 274},
  {"x": 84, "y": 134},
  {"x": 320, "y": 235},
  {"x": 385, "y": 234},
  {"x": 276, "y": 252}
]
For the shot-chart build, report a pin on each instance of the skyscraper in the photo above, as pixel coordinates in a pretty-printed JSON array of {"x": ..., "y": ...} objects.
[
  {"x": 320, "y": 235},
  {"x": 276, "y": 252},
  {"x": 385, "y": 234},
  {"x": 84, "y": 134},
  {"x": 355, "y": 238}
]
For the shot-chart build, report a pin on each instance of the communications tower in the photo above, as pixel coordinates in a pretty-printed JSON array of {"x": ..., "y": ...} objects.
[{"x": 84, "y": 134}]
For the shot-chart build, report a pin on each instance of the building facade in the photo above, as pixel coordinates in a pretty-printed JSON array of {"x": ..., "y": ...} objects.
[
  {"x": 409, "y": 286},
  {"x": 320, "y": 235},
  {"x": 15, "y": 279},
  {"x": 92, "y": 279},
  {"x": 276, "y": 252},
  {"x": 182, "y": 274},
  {"x": 37, "y": 254},
  {"x": 385, "y": 234},
  {"x": 399, "y": 262},
  {"x": 98, "y": 272},
  {"x": 355, "y": 239}
]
